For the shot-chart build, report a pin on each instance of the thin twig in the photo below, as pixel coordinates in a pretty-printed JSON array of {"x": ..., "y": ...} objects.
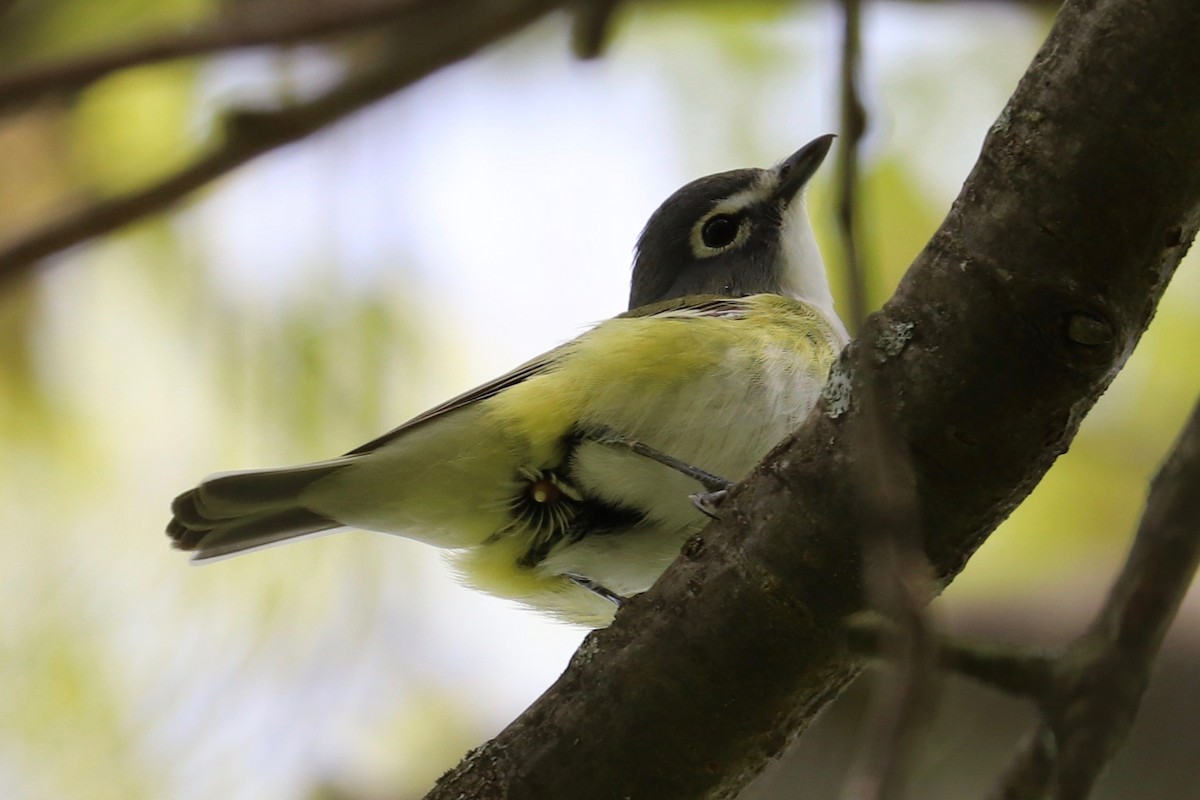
[
  {"x": 853, "y": 125},
  {"x": 1031, "y": 770},
  {"x": 249, "y": 25},
  {"x": 1012, "y": 668},
  {"x": 438, "y": 34},
  {"x": 591, "y": 26},
  {"x": 1018, "y": 670},
  {"x": 1106, "y": 671},
  {"x": 897, "y": 572},
  {"x": 1098, "y": 681}
]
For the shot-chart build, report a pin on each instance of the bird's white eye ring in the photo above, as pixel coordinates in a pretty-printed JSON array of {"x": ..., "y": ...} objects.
[{"x": 720, "y": 231}]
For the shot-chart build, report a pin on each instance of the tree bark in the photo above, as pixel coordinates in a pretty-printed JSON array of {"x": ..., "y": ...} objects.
[{"x": 1002, "y": 335}]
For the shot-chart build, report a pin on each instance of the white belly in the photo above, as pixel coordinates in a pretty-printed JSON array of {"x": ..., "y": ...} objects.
[{"x": 722, "y": 425}]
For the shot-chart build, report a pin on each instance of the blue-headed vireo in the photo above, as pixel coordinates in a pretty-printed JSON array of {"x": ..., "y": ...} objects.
[{"x": 549, "y": 482}]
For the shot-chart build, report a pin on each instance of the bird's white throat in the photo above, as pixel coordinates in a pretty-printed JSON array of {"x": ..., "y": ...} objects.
[{"x": 802, "y": 274}]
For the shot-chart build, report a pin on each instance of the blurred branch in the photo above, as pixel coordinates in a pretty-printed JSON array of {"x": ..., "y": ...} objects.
[
  {"x": 1030, "y": 770},
  {"x": 435, "y": 33},
  {"x": 423, "y": 46},
  {"x": 1090, "y": 691},
  {"x": 245, "y": 25},
  {"x": 1028, "y": 299},
  {"x": 1015, "y": 669},
  {"x": 258, "y": 24},
  {"x": 247, "y": 135},
  {"x": 1098, "y": 681},
  {"x": 853, "y": 126},
  {"x": 897, "y": 575},
  {"x": 591, "y": 26}
]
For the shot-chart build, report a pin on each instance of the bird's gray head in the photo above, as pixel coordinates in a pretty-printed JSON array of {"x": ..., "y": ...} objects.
[{"x": 734, "y": 234}]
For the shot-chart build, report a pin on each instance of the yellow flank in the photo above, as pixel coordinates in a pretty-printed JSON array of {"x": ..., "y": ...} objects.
[
  {"x": 493, "y": 568},
  {"x": 490, "y": 569}
]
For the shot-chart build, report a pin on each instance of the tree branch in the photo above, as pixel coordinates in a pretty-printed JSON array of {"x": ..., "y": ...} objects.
[
  {"x": 435, "y": 33},
  {"x": 1030, "y": 771},
  {"x": 245, "y": 25},
  {"x": 1098, "y": 681},
  {"x": 591, "y": 26},
  {"x": 853, "y": 126},
  {"x": 1031, "y": 296},
  {"x": 479, "y": 21},
  {"x": 896, "y": 572},
  {"x": 1016, "y": 669},
  {"x": 259, "y": 24},
  {"x": 1090, "y": 691}
]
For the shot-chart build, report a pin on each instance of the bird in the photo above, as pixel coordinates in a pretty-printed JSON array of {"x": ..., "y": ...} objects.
[{"x": 570, "y": 483}]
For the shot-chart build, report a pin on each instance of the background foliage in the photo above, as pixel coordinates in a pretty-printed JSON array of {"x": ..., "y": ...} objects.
[{"x": 332, "y": 289}]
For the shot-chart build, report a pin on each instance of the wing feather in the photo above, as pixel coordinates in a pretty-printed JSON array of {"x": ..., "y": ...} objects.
[{"x": 697, "y": 306}]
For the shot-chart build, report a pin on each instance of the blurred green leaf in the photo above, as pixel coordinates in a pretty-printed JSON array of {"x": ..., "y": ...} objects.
[{"x": 133, "y": 127}]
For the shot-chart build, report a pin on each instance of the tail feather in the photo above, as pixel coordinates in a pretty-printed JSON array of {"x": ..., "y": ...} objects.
[{"x": 235, "y": 512}]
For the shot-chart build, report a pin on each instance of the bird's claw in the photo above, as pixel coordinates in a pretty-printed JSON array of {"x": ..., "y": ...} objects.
[{"x": 709, "y": 503}]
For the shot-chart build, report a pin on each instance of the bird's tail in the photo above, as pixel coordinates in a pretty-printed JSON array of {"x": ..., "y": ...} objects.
[{"x": 234, "y": 512}]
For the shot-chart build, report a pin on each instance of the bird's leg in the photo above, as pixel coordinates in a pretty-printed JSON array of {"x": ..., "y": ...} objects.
[
  {"x": 715, "y": 487},
  {"x": 592, "y": 586},
  {"x": 602, "y": 434}
]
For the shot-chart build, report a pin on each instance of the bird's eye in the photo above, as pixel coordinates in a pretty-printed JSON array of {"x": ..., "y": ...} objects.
[{"x": 719, "y": 231}]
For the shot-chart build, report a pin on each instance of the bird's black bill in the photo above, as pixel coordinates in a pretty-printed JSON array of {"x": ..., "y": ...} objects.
[{"x": 796, "y": 170}]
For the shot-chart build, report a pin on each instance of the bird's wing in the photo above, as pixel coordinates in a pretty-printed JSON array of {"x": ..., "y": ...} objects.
[
  {"x": 696, "y": 306},
  {"x": 489, "y": 389},
  {"x": 700, "y": 305}
]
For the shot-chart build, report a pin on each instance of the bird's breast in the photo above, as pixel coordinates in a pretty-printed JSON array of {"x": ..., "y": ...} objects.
[{"x": 722, "y": 421}]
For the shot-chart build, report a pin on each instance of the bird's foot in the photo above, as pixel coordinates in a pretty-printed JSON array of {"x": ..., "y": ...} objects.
[{"x": 709, "y": 503}]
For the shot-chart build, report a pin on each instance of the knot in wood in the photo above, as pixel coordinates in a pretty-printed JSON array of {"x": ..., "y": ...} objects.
[
  {"x": 1089, "y": 330},
  {"x": 1079, "y": 328},
  {"x": 694, "y": 547}
]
